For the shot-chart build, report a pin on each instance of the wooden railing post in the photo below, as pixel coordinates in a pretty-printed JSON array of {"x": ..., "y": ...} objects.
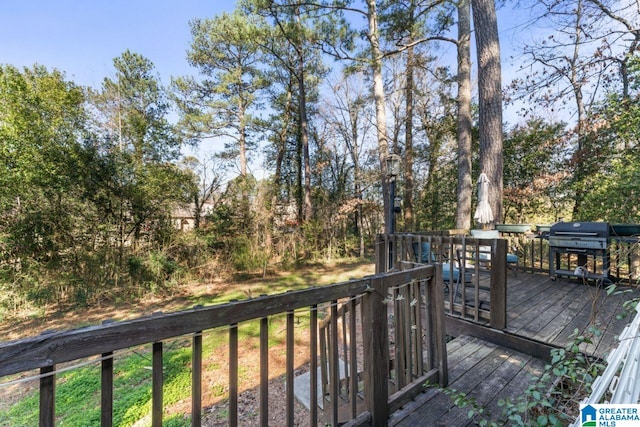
[
  {"x": 374, "y": 328},
  {"x": 498, "y": 317},
  {"x": 437, "y": 338}
]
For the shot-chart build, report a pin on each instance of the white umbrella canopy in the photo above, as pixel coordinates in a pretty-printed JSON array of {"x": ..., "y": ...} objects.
[{"x": 483, "y": 214}]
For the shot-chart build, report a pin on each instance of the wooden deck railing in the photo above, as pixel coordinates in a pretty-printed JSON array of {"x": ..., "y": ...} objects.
[
  {"x": 474, "y": 271},
  {"x": 359, "y": 318}
]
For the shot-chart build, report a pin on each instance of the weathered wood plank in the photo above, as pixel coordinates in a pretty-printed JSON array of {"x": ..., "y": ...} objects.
[
  {"x": 497, "y": 369},
  {"x": 609, "y": 339},
  {"x": 535, "y": 302},
  {"x": 527, "y": 289},
  {"x": 536, "y": 318},
  {"x": 513, "y": 389},
  {"x": 461, "y": 349},
  {"x": 515, "y": 342},
  {"x": 507, "y": 365},
  {"x": 551, "y": 331},
  {"x": 580, "y": 322},
  {"x": 435, "y": 403}
]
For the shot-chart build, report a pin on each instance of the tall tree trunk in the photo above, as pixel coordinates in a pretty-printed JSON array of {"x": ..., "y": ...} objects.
[
  {"x": 465, "y": 187},
  {"x": 408, "y": 147},
  {"x": 490, "y": 99},
  {"x": 379, "y": 98},
  {"x": 242, "y": 142},
  {"x": 355, "y": 155},
  {"x": 576, "y": 84},
  {"x": 304, "y": 132}
]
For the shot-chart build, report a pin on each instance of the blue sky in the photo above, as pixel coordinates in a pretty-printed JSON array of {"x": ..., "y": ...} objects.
[{"x": 81, "y": 37}]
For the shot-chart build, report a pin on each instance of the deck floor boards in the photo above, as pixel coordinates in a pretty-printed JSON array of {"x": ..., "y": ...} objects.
[
  {"x": 486, "y": 372},
  {"x": 538, "y": 308},
  {"x": 552, "y": 310}
]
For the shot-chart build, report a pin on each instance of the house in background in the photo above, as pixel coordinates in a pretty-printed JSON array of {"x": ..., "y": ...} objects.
[{"x": 184, "y": 218}]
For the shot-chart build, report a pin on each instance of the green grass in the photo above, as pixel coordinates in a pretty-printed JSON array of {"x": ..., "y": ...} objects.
[{"x": 78, "y": 390}]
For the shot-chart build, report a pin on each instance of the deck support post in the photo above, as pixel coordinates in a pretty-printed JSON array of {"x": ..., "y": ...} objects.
[{"x": 376, "y": 387}]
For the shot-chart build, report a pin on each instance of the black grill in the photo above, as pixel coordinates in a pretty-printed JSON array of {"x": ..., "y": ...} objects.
[{"x": 585, "y": 242}]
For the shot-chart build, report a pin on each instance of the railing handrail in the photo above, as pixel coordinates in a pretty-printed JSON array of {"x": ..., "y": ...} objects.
[
  {"x": 394, "y": 249},
  {"x": 47, "y": 350},
  {"x": 51, "y": 348}
]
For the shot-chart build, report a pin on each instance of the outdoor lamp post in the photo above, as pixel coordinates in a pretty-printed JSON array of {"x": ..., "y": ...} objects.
[{"x": 393, "y": 170}]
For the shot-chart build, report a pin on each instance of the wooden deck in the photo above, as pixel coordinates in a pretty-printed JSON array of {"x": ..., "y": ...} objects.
[
  {"x": 480, "y": 369},
  {"x": 551, "y": 310},
  {"x": 539, "y": 309}
]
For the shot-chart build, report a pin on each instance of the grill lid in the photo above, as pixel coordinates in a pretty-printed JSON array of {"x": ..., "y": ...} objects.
[{"x": 580, "y": 229}]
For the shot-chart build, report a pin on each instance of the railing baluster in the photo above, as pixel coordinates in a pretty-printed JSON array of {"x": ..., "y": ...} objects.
[
  {"x": 353, "y": 359},
  {"x": 264, "y": 372},
  {"x": 398, "y": 365},
  {"x": 47, "y": 396},
  {"x": 196, "y": 380},
  {"x": 428, "y": 328},
  {"x": 324, "y": 362},
  {"x": 313, "y": 350},
  {"x": 106, "y": 393},
  {"x": 233, "y": 375},
  {"x": 416, "y": 328},
  {"x": 157, "y": 380},
  {"x": 401, "y": 344},
  {"x": 289, "y": 368},
  {"x": 345, "y": 349},
  {"x": 406, "y": 314},
  {"x": 334, "y": 366}
]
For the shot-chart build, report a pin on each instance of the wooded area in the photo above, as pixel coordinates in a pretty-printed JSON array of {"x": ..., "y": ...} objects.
[{"x": 317, "y": 94}]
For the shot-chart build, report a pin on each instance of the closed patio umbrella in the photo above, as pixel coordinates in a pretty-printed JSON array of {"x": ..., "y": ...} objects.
[{"x": 483, "y": 214}]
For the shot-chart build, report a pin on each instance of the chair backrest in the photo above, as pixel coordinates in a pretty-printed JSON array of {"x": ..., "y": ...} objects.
[{"x": 426, "y": 256}]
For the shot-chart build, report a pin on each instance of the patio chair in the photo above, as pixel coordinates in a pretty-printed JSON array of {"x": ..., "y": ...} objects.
[
  {"x": 450, "y": 268},
  {"x": 485, "y": 251}
]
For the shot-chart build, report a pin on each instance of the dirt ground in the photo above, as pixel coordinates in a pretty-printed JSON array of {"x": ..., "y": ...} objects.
[{"x": 215, "y": 405}]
